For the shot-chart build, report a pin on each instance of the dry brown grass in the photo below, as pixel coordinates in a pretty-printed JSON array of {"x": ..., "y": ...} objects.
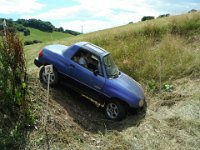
[{"x": 75, "y": 123}]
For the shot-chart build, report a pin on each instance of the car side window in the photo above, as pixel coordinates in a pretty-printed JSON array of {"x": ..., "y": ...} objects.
[
  {"x": 88, "y": 60},
  {"x": 79, "y": 58},
  {"x": 94, "y": 64}
]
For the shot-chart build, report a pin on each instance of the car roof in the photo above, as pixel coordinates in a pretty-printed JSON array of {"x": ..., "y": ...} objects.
[{"x": 92, "y": 48}]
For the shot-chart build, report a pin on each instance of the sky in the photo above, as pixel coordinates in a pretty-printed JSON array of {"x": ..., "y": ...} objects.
[{"x": 92, "y": 15}]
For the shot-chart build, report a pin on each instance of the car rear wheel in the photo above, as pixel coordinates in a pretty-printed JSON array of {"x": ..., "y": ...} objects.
[
  {"x": 53, "y": 80},
  {"x": 115, "y": 110}
]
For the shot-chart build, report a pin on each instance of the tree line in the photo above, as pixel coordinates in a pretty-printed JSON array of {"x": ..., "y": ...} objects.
[
  {"x": 144, "y": 18},
  {"x": 22, "y": 24},
  {"x": 45, "y": 26}
]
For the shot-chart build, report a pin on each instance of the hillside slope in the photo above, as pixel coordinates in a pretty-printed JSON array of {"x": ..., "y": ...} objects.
[
  {"x": 172, "y": 121},
  {"x": 36, "y": 34},
  {"x": 158, "y": 52}
]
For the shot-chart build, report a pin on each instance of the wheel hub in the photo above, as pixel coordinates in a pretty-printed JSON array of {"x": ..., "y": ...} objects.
[{"x": 112, "y": 110}]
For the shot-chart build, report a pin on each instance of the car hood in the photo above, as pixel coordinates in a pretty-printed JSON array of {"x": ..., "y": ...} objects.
[
  {"x": 131, "y": 85},
  {"x": 128, "y": 85}
]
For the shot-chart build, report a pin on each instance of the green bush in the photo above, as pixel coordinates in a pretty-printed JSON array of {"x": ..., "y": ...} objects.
[
  {"x": 32, "y": 42},
  {"x": 147, "y": 18},
  {"x": 26, "y": 32},
  {"x": 15, "y": 108},
  {"x": 28, "y": 42}
]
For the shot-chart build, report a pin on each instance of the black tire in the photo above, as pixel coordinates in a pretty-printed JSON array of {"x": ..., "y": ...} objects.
[
  {"x": 143, "y": 110},
  {"x": 115, "y": 110},
  {"x": 53, "y": 77}
]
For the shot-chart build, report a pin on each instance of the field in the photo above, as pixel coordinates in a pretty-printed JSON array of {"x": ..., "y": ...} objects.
[
  {"x": 44, "y": 36},
  {"x": 156, "y": 53}
]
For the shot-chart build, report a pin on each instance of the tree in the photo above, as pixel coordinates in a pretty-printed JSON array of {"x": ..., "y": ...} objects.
[
  {"x": 26, "y": 32},
  {"x": 60, "y": 29},
  {"x": 164, "y": 15},
  {"x": 72, "y": 32},
  {"x": 20, "y": 27},
  {"x": 192, "y": 10},
  {"x": 147, "y": 18}
]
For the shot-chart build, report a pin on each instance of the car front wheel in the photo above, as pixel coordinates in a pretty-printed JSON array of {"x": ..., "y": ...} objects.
[
  {"x": 53, "y": 80},
  {"x": 115, "y": 110}
]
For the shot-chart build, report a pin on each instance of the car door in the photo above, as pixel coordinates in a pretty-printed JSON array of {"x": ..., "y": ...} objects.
[{"x": 86, "y": 80}]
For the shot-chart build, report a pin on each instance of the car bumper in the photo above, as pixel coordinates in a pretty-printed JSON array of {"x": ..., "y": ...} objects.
[{"x": 37, "y": 62}]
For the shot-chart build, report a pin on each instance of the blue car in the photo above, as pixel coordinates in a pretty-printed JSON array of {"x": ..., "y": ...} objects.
[{"x": 91, "y": 71}]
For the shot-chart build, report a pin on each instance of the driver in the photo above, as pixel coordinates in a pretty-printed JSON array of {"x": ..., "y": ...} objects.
[{"x": 82, "y": 60}]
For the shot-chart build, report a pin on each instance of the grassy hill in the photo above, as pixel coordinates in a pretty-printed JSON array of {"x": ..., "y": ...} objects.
[
  {"x": 36, "y": 34},
  {"x": 165, "y": 48},
  {"x": 155, "y": 53}
]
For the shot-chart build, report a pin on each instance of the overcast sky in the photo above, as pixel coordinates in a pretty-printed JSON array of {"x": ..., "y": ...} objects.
[{"x": 92, "y": 14}]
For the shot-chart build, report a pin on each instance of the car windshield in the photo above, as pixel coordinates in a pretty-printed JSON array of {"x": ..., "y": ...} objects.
[{"x": 111, "y": 69}]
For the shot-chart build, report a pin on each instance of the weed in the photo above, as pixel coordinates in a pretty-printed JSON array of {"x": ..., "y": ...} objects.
[{"x": 14, "y": 104}]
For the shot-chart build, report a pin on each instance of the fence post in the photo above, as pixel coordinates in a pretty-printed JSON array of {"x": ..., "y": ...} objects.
[{"x": 48, "y": 70}]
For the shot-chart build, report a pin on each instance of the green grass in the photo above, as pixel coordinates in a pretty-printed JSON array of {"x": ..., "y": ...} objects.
[{"x": 45, "y": 36}]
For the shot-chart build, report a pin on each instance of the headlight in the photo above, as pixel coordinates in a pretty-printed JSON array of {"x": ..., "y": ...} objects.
[{"x": 141, "y": 102}]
